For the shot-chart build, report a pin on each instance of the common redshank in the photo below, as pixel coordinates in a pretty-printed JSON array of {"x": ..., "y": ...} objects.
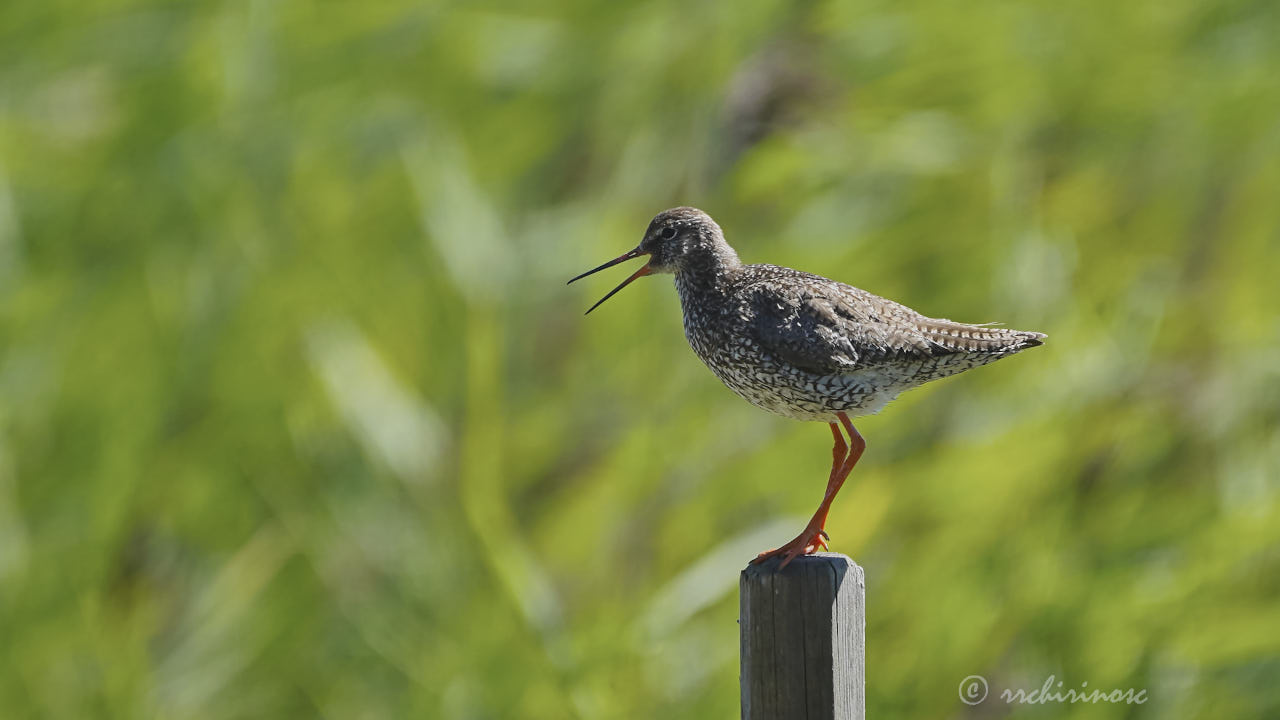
[{"x": 803, "y": 346}]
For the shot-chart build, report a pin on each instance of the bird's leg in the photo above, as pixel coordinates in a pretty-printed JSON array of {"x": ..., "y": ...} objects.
[
  {"x": 839, "y": 452},
  {"x": 851, "y": 459},
  {"x": 814, "y": 536}
]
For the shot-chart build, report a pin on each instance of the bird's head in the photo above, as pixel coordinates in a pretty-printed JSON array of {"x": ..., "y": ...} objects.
[{"x": 680, "y": 239}]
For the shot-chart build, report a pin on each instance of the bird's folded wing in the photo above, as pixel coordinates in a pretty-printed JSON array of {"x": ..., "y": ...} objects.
[{"x": 836, "y": 328}]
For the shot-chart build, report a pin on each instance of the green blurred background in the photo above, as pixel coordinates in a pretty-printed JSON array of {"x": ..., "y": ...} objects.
[{"x": 298, "y": 418}]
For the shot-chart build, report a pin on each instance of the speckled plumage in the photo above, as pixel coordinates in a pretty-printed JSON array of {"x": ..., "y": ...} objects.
[{"x": 804, "y": 346}]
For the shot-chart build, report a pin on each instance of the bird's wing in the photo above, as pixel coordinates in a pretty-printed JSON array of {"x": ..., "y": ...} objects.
[
  {"x": 802, "y": 332},
  {"x": 826, "y": 327}
]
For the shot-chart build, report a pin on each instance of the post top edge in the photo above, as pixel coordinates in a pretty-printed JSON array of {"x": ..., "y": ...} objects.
[{"x": 831, "y": 559}]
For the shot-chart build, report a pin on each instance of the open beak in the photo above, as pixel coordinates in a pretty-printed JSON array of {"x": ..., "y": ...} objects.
[{"x": 639, "y": 273}]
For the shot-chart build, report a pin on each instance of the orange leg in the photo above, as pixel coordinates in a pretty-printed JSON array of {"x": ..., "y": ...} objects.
[{"x": 814, "y": 536}]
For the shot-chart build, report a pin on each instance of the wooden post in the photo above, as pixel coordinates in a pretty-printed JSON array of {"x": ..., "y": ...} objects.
[{"x": 802, "y": 639}]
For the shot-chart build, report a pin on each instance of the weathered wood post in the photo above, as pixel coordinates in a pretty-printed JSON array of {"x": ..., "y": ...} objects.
[{"x": 802, "y": 639}]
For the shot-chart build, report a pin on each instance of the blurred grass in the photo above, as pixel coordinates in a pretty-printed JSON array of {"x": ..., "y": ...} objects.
[{"x": 297, "y": 418}]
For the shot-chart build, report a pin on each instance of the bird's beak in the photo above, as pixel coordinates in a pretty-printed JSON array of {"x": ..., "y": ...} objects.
[{"x": 639, "y": 273}]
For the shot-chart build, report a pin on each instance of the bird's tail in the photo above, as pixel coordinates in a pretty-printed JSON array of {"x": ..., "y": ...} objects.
[{"x": 982, "y": 338}]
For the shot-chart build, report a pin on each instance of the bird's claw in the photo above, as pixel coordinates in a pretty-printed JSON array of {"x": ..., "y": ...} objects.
[{"x": 806, "y": 543}]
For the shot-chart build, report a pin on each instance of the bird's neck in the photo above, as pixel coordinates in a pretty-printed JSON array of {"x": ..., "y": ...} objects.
[{"x": 706, "y": 278}]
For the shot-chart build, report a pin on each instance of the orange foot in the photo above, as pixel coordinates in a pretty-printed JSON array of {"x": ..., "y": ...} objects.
[{"x": 806, "y": 543}]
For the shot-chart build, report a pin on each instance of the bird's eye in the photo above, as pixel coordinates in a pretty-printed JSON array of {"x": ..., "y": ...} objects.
[{"x": 668, "y": 233}]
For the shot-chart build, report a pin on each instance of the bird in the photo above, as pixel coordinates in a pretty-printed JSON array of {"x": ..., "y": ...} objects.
[{"x": 804, "y": 346}]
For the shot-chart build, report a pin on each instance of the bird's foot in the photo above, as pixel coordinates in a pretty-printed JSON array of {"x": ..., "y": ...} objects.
[{"x": 806, "y": 543}]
